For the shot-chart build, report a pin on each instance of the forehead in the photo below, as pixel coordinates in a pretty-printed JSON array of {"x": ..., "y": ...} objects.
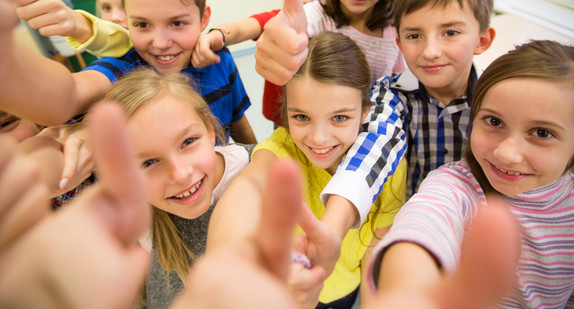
[
  {"x": 438, "y": 14},
  {"x": 160, "y": 8},
  {"x": 306, "y": 93}
]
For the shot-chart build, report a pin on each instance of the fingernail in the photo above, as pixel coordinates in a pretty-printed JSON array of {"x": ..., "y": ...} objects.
[{"x": 63, "y": 183}]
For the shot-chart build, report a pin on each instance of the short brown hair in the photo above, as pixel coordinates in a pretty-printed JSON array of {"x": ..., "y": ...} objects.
[{"x": 482, "y": 9}]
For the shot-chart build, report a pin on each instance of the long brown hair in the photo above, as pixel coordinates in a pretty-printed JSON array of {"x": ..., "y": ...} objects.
[
  {"x": 540, "y": 59},
  {"x": 380, "y": 17},
  {"x": 146, "y": 86}
]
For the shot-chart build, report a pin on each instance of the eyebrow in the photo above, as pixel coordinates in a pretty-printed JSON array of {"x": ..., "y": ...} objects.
[
  {"x": 445, "y": 25},
  {"x": 342, "y": 110},
  {"x": 171, "y": 18},
  {"x": 542, "y": 123}
]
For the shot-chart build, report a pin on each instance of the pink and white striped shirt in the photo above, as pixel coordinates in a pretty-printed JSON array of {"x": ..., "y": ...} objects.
[
  {"x": 383, "y": 54},
  {"x": 446, "y": 202}
]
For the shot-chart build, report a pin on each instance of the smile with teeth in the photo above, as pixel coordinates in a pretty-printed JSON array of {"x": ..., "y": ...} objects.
[
  {"x": 508, "y": 172},
  {"x": 321, "y": 150},
  {"x": 166, "y": 57},
  {"x": 190, "y": 192}
]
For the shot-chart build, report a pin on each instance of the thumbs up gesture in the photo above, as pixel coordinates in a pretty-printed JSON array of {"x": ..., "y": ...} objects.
[{"x": 282, "y": 47}]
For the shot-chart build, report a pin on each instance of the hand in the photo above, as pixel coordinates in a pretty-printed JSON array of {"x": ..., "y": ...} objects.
[
  {"x": 489, "y": 257},
  {"x": 78, "y": 161},
  {"x": 89, "y": 252},
  {"x": 204, "y": 51},
  {"x": 252, "y": 273},
  {"x": 322, "y": 246},
  {"x": 282, "y": 47},
  {"x": 54, "y": 17}
]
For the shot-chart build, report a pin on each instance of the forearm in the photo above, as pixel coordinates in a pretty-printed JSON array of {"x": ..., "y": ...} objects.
[
  {"x": 340, "y": 215},
  {"x": 237, "y": 32},
  {"x": 34, "y": 87},
  {"x": 407, "y": 266},
  {"x": 241, "y": 131}
]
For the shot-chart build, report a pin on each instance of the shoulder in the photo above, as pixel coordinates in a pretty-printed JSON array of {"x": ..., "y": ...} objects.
[
  {"x": 280, "y": 143},
  {"x": 453, "y": 176}
]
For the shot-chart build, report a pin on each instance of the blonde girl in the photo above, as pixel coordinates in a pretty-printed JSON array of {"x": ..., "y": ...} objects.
[
  {"x": 521, "y": 148},
  {"x": 326, "y": 102},
  {"x": 174, "y": 135}
]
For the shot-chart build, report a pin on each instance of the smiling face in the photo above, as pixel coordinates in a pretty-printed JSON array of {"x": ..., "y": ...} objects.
[
  {"x": 324, "y": 119},
  {"x": 439, "y": 44},
  {"x": 176, "y": 152},
  {"x": 112, "y": 10},
  {"x": 523, "y": 133},
  {"x": 356, "y": 8},
  {"x": 164, "y": 33}
]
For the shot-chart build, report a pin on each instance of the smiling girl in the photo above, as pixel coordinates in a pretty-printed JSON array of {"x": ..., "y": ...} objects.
[
  {"x": 521, "y": 148},
  {"x": 174, "y": 136},
  {"x": 326, "y": 103}
]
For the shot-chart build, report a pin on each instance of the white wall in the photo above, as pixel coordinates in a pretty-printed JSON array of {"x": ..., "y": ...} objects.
[{"x": 223, "y": 11}]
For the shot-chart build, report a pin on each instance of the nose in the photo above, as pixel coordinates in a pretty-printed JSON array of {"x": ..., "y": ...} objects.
[
  {"x": 161, "y": 39},
  {"x": 320, "y": 134},
  {"x": 119, "y": 16},
  {"x": 432, "y": 48},
  {"x": 509, "y": 150},
  {"x": 179, "y": 171}
]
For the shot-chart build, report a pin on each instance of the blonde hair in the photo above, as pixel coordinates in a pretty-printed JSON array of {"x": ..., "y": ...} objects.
[{"x": 142, "y": 87}]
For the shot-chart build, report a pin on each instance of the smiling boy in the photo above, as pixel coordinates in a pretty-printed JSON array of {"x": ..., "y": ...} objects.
[{"x": 164, "y": 34}]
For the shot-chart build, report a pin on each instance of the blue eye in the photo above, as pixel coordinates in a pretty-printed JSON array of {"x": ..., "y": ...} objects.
[
  {"x": 301, "y": 117},
  {"x": 149, "y": 162},
  {"x": 189, "y": 141},
  {"x": 340, "y": 118}
]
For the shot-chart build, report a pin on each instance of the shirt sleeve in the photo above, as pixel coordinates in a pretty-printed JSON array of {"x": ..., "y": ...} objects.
[
  {"x": 434, "y": 218},
  {"x": 264, "y": 17},
  {"x": 375, "y": 154},
  {"x": 108, "y": 39}
]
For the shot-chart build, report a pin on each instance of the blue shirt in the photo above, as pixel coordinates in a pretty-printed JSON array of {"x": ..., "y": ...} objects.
[{"x": 219, "y": 84}]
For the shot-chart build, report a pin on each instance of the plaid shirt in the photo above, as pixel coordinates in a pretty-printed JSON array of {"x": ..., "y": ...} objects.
[{"x": 403, "y": 114}]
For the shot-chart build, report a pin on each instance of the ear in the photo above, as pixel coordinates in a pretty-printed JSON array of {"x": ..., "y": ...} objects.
[
  {"x": 486, "y": 39},
  {"x": 205, "y": 17},
  {"x": 398, "y": 40},
  {"x": 211, "y": 133}
]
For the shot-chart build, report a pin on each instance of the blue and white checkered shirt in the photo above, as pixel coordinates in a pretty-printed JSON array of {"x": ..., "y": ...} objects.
[{"x": 404, "y": 119}]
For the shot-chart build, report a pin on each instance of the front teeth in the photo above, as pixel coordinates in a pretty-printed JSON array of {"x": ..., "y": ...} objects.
[
  {"x": 190, "y": 192},
  {"x": 322, "y": 150},
  {"x": 165, "y": 58},
  {"x": 507, "y": 172}
]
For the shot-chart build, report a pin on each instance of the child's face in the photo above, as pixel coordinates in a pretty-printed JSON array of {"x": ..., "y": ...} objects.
[
  {"x": 357, "y": 8},
  {"x": 176, "y": 153},
  {"x": 523, "y": 133},
  {"x": 439, "y": 45},
  {"x": 20, "y": 129},
  {"x": 112, "y": 10},
  {"x": 324, "y": 120},
  {"x": 164, "y": 32}
]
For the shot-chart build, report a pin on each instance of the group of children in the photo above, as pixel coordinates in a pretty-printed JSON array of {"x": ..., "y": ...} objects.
[{"x": 439, "y": 134}]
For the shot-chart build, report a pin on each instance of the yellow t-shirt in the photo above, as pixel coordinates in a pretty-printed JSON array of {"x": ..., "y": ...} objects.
[
  {"x": 108, "y": 39},
  {"x": 346, "y": 276}
]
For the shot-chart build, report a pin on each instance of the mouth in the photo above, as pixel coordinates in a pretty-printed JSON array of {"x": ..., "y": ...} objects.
[
  {"x": 507, "y": 172},
  {"x": 322, "y": 152},
  {"x": 189, "y": 192},
  {"x": 433, "y": 68},
  {"x": 165, "y": 59}
]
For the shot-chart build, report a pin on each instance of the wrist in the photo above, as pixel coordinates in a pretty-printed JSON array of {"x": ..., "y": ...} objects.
[
  {"x": 83, "y": 29},
  {"x": 221, "y": 31}
]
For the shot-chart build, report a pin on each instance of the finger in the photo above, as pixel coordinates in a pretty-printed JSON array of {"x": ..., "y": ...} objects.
[
  {"x": 301, "y": 278},
  {"x": 72, "y": 148},
  {"x": 293, "y": 9},
  {"x": 489, "y": 256},
  {"x": 281, "y": 208},
  {"x": 313, "y": 227},
  {"x": 118, "y": 173}
]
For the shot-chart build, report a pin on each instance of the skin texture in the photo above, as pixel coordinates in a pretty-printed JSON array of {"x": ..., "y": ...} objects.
[
  {"x": 439, "y": 45},
  {"x": 176, "y": 156},
  {"x": 512, "y": 144},
  {"x": 113, "y": 11},
  {"x": 165, "y": 33}
]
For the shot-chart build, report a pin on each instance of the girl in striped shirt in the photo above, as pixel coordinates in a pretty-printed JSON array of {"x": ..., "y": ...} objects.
[{"x": 521, "y": 148}]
